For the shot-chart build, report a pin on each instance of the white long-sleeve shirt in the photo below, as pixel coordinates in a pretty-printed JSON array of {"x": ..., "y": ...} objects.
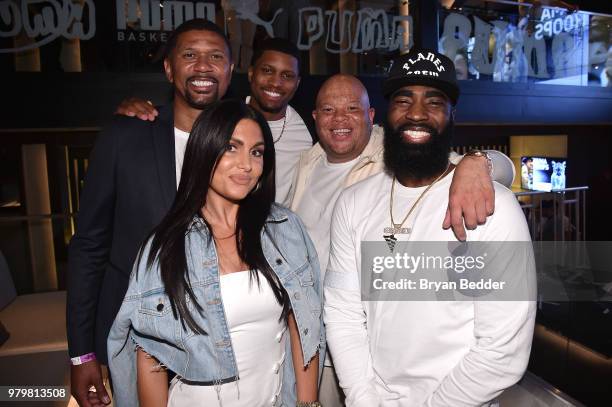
[{"x": 414, "y": 353}]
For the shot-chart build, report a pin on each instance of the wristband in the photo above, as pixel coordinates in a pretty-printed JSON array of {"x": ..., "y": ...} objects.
[{"x": 79, "y": 360}]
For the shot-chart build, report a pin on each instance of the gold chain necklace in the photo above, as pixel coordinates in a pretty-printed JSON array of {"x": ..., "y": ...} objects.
[
  {"x": 282, "y": 130},
  {"x": 397, "y": 227}
]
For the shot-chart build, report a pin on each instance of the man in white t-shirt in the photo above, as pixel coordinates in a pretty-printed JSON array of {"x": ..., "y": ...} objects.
[
  {"x": 274, "y": 76},
  {"x": 414, "y": 353},
  {"x": 350, "y": 150}
]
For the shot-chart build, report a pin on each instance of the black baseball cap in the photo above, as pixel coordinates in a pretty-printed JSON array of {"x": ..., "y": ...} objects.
[{"x": 423, "y": 67}]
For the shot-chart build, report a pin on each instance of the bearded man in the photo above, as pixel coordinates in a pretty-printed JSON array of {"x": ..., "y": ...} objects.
[{"x": 420, "y": 353}]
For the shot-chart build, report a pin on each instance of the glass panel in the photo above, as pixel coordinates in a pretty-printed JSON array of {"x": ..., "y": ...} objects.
[
  {"x": 600, "y": 51},
  {"x": 508, "y": 42},
  {"x": 349, "y": 36}
]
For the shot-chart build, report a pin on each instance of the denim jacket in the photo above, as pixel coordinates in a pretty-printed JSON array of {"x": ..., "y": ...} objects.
[{"x": 145, "y": 318}]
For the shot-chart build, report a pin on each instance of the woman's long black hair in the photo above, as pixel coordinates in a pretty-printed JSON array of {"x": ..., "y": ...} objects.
[{"x": 208, "y": 141}]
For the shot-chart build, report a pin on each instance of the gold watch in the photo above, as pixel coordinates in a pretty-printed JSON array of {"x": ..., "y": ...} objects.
[
  {"x": 481, "y": 153},
  {"x": 308, "y": 404}
]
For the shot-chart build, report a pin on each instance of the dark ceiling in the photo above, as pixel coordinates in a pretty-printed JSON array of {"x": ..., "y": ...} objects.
[{"x": 597, "y": 6}]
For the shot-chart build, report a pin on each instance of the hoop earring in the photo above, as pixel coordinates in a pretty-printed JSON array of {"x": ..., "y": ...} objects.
[{"x": 256, "y": 187}]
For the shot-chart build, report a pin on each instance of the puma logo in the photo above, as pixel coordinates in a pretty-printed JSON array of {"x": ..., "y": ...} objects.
[{"x": 255, "y": 19}]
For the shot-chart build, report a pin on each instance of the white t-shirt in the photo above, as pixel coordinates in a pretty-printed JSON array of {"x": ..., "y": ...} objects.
[
  {"x": 295, "y": 139},
  {"x": 405, "y": 353},
  {"x": 180, "y": 142},
  {"x": 324, "y": 186}
]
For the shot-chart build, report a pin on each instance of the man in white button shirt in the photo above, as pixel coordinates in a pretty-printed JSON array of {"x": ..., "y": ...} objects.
[{"x": 415, "y": 353}]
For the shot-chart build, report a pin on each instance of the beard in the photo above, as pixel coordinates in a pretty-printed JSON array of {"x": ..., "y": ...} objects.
[
  {"x": 201, "y": 104},
  {"x": 417, "y": 161}
]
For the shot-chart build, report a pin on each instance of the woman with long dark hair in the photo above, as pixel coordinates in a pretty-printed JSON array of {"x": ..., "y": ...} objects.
[{"x": 225, "y": 293}]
